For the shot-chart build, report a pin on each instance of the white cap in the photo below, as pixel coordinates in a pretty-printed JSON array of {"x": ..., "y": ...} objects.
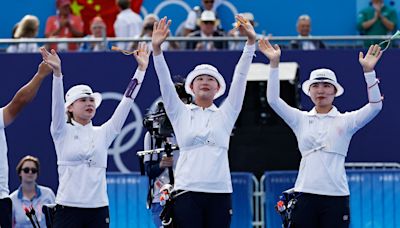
[
  {"x": 208, "y": 15},
  {"x": 249, "y": 16},
  {"x": 322, "y": 75},
  {"x": 80, "y": 91},
  {"x": 205, "y": 69}
]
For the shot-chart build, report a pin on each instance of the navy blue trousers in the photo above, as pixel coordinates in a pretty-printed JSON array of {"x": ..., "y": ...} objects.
[
  {"x": 5, "y": 213},
  {"x": 203, "y": 210},
  {"x": 318, "y": 211},
  {"x": 81, "y": 217}
]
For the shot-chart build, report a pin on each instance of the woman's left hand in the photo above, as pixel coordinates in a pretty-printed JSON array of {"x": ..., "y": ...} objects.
[
  {"x": 371, "y": 58},
  {"x": 142, "y": 56},
  {"x": 246, "y": 28},
  {"x": 273, "y": 53},
  {"x": 52, "y": 59}
]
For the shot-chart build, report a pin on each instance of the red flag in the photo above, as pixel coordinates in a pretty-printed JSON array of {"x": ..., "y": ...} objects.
[
  {"x": 136, "y": 4},
  {"x": 106, "y": 9}
]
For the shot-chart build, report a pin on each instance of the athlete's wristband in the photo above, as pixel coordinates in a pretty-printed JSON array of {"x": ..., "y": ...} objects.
[{"x": 131, "y": 87}]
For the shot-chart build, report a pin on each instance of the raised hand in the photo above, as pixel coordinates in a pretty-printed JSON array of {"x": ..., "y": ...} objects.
[
  {"x": 44, "y": 69},
  {"x": 273, "y": 53},
  {"x": 371, "y": 58},
  {"x": 142, "y": 56},
  {"x": 160, "y": 34},
  {"x": 246, "y": 28},
  {"x": 52, "y": 59}
]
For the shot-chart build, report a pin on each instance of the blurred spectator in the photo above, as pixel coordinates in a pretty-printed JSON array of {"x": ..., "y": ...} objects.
[
  {"x": 377, "y": 19},
  {"x": 238, "y": 32},
  {"x": 127, "y": 24},
  {"x": 207, "y": 29},
  {"x": 30, "y": 194},
  {"x": 14, "y": 30},
  {"x": 303, "y": 29},
  {"x": 98, "y": 30},
  {"x": 64, "y": 25},
  {"x": 192, "y": 21},
  {"x": 27, "y": 28},
  {"x": 147, "y": 32}
]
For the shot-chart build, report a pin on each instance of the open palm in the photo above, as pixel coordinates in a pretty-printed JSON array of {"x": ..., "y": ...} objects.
[
  {"x": 160, "y": 32},
  {"x": 373, "y": 55},
  {"x": 246, "y": 28},
  {"x": 273, "y": 53},
  {"x": 142, "y": 56}
]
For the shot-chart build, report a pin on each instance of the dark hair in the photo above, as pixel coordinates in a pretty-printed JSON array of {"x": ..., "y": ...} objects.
[
  {"x": 124, "y": 4},
  {"x": 25, "y": 159},
  {"x": 70, "y": 117},
  {"x": 179, "y": 83},
  {"x": 180, "y": 90}
]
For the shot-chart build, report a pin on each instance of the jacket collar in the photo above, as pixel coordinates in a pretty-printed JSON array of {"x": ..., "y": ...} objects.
[
  {"x": 332, "y": 113},
  {"x": 80, "y": 125},
  {"x": 213, "y": 107},
  {"x": 37, "y": 190}
]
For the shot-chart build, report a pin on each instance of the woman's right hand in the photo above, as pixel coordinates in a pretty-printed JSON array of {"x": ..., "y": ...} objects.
[
  {"x": 142, "y": 56},
  {"x": 44, "y": 69},
  {"x": 160, "y": 34},
  {"x": 247, "y": 29},
  {"x": 53, "y": 60},
  {"x": 273, "y": 53}
]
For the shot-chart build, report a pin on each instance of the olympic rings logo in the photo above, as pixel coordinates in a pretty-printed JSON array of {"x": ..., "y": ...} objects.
[
  {"x": 187, "y": 8},
  {"x": 136, "y": 126}
]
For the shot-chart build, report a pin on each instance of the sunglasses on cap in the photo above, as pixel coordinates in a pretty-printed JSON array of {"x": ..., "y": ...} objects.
[
  {"x": 209, "y": 22},
  {"x": 26, "y": 170}
]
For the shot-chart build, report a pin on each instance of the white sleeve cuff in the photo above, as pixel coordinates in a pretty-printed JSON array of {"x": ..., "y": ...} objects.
[
  {"x": 370, "y": 78},
  {"x": 58, "y": 77},
  {"x": 250, "y": 48},
  {"x": 139, "y": 75}
]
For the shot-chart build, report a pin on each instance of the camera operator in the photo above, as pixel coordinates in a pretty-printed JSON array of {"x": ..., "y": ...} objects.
[{"x": 159, "y": 134}]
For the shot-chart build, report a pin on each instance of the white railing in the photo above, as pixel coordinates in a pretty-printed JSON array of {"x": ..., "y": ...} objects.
[
  {"x": 185, "y": 39},
  {"x": 372, "y": 165}
]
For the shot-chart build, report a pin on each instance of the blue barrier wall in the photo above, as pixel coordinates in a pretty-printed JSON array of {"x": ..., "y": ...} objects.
[
  {"x": 110, "y": 72},
  {"x": 127, "y": 194},
  {"x": 374, "y": 197},
  {"x": 272, "y": 16},
  {"x": 242, "y": 200}
]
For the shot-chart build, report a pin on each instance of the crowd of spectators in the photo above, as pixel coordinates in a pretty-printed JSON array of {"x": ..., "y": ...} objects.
[{"x": 201, "y": 22}]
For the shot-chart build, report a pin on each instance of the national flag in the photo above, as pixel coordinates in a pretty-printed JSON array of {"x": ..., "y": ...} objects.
[{"x": 106, "y": 9}]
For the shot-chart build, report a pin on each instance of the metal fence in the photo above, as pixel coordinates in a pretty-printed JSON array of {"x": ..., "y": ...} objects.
[
  {"x": 374, "y": 190},
  {"x": 331, "y": 42},
  {"x": 374, "y": 187}
]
